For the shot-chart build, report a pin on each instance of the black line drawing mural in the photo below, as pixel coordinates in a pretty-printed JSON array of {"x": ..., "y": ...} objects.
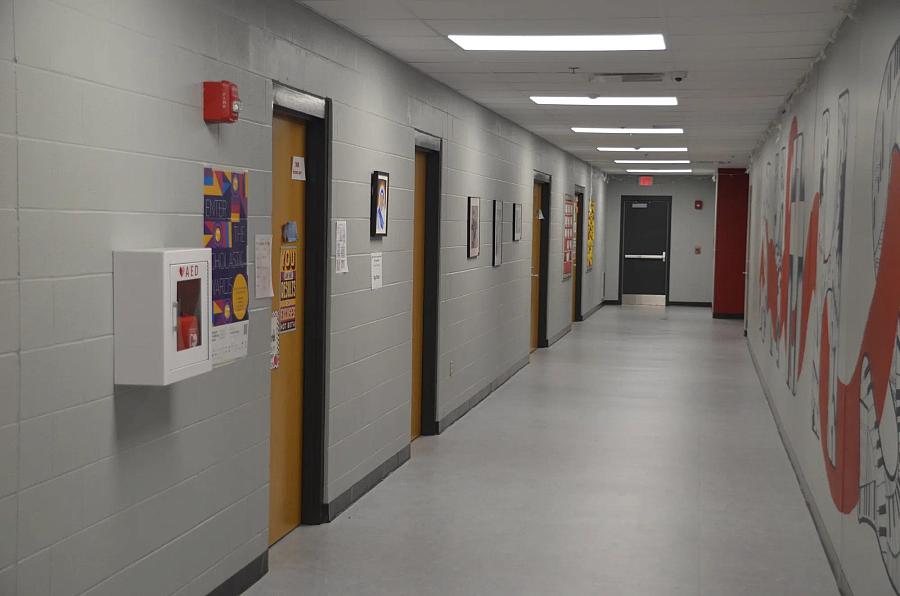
[{"x": 857, "y": 419}]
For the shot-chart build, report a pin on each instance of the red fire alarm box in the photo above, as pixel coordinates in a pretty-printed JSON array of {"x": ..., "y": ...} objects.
[
  {"x": 645, "y": 181},
  {"x": 698, "y": 205},
  {"x": 221, "y": 102}
]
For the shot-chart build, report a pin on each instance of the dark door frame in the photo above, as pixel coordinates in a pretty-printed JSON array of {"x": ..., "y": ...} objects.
[
  {"x": 431, "y": 291},
  {"x": 314, "y": 448},
  {"x": 545, "y": 181},
  {"x": 625, "y": 198},
  {"x": 579, "y": 261}
]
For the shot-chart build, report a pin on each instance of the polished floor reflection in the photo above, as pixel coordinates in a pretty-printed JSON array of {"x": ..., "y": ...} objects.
[{"x": 635, "y": 457}]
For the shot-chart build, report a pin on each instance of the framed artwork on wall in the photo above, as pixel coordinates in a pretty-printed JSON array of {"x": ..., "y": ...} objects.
[
  {"x": 568, "y": 236},
  {"x": 517, "y": 222},
  {"x": 591, "y": 232},
  {"x": 498, "y": 233},
  {"x": 474, "y": 227},
  {"x": 381, "y": 188}
]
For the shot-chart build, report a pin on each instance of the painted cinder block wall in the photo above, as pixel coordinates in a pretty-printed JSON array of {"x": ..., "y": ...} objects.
[
  {"x": 690, "y": 275},
  {"x": 831, "y": 167},
  {"x": 109, "y": 490}
]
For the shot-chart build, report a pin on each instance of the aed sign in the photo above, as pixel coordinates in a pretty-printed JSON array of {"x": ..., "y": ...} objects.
[{"x": 645, "y": 181}]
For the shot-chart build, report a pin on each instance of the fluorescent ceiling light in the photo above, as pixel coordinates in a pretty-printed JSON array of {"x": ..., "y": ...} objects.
[
  {"x": 643, "y": 149},
  {"x": 660, "y": 171},
  {"x": 560, "y": 43},
  {"x": 604, "y": 101},
  {"x": 630, "y": 131},
  {"x": 653, "y": 161}
]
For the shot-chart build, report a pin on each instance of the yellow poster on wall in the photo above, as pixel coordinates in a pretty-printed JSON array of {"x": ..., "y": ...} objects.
[
  {"x": 591, "y": 230},
  {"x": 287, "y": 294}
]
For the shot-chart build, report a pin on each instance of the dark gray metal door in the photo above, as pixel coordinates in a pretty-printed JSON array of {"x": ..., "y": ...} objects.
[{"x": 645, "y": 250}]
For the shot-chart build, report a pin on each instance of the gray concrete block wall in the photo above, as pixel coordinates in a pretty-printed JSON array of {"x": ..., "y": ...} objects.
[
  {"x": 690, "y": 275},
  {"x": 107, "y": 490},
  {"x": 9, "y": 312}
]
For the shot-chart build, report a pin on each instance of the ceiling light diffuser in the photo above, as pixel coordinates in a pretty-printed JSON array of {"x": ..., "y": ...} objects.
[
  {"x": 559, "y": 43},
  {"x": 604, "y": 101},
  {"x": 629, "y": 131},
  {"x": 660, "y": 171},
  {"x": 653, "y": 161},
  {"x": 643, "y": 149}
]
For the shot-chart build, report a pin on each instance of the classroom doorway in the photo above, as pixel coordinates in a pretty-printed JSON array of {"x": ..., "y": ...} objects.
[
  {"x": 578, "y": 264},
  {"x": 298, "y": 326},
  {"x": 540, "y": 241},
  {"x": 426, "y": 279}
]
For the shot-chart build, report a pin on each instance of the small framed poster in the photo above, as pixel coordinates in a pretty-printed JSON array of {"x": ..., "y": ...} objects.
[
  {"x": 498, "y": 233},
  {"x": 474, "y": 227},
  {"x": 381, "y": 189},
  {"x": 517, "y": 222}
]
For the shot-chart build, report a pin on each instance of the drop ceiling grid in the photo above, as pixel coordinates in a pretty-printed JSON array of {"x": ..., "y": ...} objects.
[{"x": 743, "y": 58}]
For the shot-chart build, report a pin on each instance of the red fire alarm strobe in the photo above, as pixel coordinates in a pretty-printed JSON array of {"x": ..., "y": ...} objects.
[
  {"x": 698, "y": 205},
  {"x": 645, "y": 181},
  {"x": 221, "y": 102}
]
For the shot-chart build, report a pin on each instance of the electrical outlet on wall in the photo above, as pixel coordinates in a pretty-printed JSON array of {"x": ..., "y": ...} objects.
[{"x": 451, "y": 368}]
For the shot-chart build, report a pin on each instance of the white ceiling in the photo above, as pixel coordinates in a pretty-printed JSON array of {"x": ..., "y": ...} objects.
[{"x": 742, "y": 57}]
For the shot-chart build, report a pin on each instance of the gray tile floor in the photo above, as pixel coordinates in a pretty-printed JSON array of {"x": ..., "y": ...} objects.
[{"x": 635, "y": 457}]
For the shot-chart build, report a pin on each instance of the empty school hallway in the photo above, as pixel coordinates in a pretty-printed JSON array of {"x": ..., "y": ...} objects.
[{"x": 637, "y": 456}]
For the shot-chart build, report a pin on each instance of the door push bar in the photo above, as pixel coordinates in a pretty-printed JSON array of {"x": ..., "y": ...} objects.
[{"x": 661, "y": 257}]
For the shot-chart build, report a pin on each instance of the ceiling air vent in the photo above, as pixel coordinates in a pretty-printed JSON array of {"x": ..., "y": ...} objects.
[{"x": 628, "y": 77}]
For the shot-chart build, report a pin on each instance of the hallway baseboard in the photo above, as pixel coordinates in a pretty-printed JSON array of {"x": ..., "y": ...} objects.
[
  {"x": 689, "y": 303},
  {"x": 241, "y": 581},
  {"x": 557, "y": 337},
  {"x": 587, "y": 315},
  {"x": 830, "y": 552},
  {"x": 368, "y": 482},
  {"x": 461, "y": 410},
  {"x": 733, "y": 316}
]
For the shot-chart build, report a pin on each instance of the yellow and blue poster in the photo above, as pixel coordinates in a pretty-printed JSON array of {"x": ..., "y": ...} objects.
[{"x": 225, "y": 232}]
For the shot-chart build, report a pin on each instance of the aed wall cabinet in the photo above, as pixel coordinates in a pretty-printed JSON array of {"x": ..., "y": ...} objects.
[{"x": 161, "y": 301}]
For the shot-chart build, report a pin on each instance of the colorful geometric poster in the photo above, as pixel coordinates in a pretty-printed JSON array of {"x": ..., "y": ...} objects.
[
  {"x": 225, "y": 232},
  {"x": 568, "y": 237},
  {"x": 591, "y": 234}
]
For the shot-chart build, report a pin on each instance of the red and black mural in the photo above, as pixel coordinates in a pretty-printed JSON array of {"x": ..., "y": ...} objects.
[{"x": 855, "y": 416}]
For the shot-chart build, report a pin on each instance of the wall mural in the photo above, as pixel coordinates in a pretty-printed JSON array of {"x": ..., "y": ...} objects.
[{"x": 855, "y": 419}]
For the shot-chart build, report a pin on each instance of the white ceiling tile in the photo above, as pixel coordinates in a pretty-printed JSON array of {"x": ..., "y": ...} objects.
[{"x": 742, "y": 58}]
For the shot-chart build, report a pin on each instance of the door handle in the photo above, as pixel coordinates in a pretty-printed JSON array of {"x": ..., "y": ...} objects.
[{"x": 661, "y": 257}]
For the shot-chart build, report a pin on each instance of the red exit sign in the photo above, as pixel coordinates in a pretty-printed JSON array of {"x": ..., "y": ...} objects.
[{"x": 645, "y": 180}]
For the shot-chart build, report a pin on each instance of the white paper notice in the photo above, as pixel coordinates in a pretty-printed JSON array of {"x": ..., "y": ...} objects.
[
  {"x": 262, "y": 248},
  {"x": 298, "y": 168},
  {"x": 340, "y": 248},
  {"x": 228, "y": 342},
  {"x": 376, "y": 270}
]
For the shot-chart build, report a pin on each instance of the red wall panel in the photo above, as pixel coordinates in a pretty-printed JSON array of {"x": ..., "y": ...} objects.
[{"x": 732, "y": 196}]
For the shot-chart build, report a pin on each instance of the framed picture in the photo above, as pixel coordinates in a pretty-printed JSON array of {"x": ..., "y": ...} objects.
[
  {"x": 498, "y": 233},
  {"x": 381, "y": 189},
  {"x": 517, "y": 222},
  {"x": 474, "y": 227}
]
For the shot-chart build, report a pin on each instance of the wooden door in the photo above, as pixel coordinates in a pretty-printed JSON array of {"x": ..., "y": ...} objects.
[
  {"x": 535, "y": 266},
  {"x": 286, "y": 425},
  {"x": 418, "y": 303}
]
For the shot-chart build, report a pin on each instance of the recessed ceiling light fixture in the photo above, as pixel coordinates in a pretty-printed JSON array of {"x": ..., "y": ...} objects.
[
  {"x": 643, "y": 149},
  {"x": 653, "y": 161},
  {"x": 604, "y": 101},
  {"x": 629, "y": 131},
  {"x": 559, "y": 43},
  {"x": 660, "y": 171}
]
